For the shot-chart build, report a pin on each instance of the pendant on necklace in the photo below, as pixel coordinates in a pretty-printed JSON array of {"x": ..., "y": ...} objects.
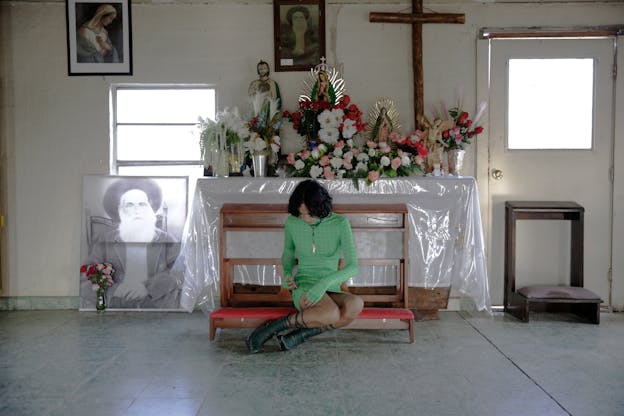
[{"x": 313, "y": 248}]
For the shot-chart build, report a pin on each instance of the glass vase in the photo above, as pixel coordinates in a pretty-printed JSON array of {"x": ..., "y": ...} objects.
[
  {"x": 100, "y": 304},
  {"x": 221, "y": 165}
]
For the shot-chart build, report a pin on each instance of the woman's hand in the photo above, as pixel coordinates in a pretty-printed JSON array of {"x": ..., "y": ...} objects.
[
  {"x": 305, "y": 302},
  {"x": 291, "y": 285}
]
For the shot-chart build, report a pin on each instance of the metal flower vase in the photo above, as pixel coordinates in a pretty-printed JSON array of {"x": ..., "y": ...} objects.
[
  {"x": 260, "y": 164},
  {"x": 456, "y": 161}
]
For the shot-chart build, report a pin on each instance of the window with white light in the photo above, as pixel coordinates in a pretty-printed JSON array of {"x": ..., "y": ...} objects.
[
  {"x": 154, "y": 129},
  {"x": 551, "y": 103}
]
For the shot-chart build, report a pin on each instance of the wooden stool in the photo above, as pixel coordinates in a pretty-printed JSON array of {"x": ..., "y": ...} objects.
[{"x": 573, "y": 298}]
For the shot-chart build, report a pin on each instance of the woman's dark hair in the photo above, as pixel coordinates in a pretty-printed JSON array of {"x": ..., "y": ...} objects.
[
  {"x": 314, "y": 196},
  {"x": 295, "y": 9}
]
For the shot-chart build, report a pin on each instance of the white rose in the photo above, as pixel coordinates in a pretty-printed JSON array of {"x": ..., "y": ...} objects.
[
  {"x": 336, "y": 162},
  {"x": 405, "y": 160},
  {"x": 372, "y": 152},
  {"x": 348, "y": 129},
  {"x": 362, "y": 157},
  {"x": 361, "y": 166},
  {"x": 385, "y": 161},
  {"x": 316, "y": 171},
  {"x": 338, "y": 152},
  {"x": 315, "y": 153},
  {"x": 299, "y": 164}
]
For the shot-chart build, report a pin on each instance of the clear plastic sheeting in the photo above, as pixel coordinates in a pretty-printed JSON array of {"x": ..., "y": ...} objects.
[{"x": 446, "y": 246}]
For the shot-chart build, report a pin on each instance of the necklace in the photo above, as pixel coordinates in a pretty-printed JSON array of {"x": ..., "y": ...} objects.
[{"x": 313, "y": 226}]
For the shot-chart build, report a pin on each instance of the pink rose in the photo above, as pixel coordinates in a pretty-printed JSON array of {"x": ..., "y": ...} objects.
[
  {"x": 290, "y": 158},
  {"x": 339, "y": 144},
  {"x": 346, "y": 163},
  {"x": 371, "y": 144},
  {"x": 373, "y": 175},
  {"x": 305, "y": 154},
  {"x": 328, "y": 174},
  {"x": 396, "y": 137},
  {"x": 396, "y": 162},
  {"x": 324, "y": 160}
]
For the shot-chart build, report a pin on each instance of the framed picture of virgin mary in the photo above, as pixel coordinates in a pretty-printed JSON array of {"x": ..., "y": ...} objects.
[
  {"x": 99, "y": 41},
  {"x": 299, "y": 34}
]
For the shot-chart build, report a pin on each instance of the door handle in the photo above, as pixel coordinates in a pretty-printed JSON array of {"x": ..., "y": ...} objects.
[{"x": 497, "y": 174}]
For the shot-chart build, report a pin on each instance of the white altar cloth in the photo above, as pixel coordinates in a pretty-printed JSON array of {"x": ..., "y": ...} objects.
[{"x": 446, "y": 245}]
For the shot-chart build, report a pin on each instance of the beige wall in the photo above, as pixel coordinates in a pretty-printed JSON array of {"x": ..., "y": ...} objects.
[{"x": 55, "y": 128}]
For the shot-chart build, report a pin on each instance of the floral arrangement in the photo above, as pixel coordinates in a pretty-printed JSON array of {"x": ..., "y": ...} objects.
[
  {"x": 228, "y": 129},
  {"x": 464, "y": 129},
  {"x": 99, "y": 274},
  {"x": 319, "y": 119},
  {"x": 264, "y": 126},
  {"x": 336, "y": 156}
]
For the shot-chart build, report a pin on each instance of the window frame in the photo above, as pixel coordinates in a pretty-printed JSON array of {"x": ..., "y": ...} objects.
[{"x": 115, "y": 164}]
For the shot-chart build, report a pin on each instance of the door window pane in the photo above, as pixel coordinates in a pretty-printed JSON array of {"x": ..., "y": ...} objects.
[{"x": 550, "y": 103}]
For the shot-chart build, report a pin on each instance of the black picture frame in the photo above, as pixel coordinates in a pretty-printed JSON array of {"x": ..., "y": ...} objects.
[
  {"x": 99, "y": 37},
  {"x": 302, "y": 51}
]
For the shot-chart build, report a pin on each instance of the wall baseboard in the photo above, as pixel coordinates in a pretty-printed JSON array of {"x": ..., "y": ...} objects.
[{"x": 15, "y": 303}]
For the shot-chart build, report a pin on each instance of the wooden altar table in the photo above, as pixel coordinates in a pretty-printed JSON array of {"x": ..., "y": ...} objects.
[{"x": 446, "y": 246}]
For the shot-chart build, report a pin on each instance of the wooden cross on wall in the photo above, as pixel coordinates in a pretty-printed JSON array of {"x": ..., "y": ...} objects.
[{"x": 417, "y": 18}]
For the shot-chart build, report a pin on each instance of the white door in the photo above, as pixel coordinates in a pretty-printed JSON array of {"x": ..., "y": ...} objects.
[{"x": 566, "y": 159}]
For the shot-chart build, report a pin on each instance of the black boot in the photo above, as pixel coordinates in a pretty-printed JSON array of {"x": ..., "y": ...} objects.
[
  {"x": 296, "y": 337},
  {"x": 260, "y": 335}
]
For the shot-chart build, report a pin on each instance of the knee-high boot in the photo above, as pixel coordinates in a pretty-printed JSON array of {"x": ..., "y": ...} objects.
[
  {"x": 260, "y": 335},
  {"x": 296, "y": 337}
]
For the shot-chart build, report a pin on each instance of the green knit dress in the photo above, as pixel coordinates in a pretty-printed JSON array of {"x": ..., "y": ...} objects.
[{"x": 318, "y": 248}]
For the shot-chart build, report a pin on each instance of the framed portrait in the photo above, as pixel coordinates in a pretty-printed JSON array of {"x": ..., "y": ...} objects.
[
  {"x": 299, "y": 34},
  {"x": 134, "y": 223},
  {"x": 99, "y": 39}
]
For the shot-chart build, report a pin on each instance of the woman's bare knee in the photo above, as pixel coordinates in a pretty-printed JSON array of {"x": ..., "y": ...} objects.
[
  {"x": 352, "y": 307},
  {"x": 331, "y": 315}
]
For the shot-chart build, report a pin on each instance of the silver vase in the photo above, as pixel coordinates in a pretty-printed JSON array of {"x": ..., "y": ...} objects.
[
  {"x": 456, "y": 161},
  {"x": 260, "y": 165}
]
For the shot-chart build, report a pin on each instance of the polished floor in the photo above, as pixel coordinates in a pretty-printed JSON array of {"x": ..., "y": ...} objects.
[{"x": 117, "y": 363}]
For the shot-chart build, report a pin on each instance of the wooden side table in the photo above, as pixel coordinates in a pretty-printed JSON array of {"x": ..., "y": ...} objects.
[{"x": 573, "y": 298}]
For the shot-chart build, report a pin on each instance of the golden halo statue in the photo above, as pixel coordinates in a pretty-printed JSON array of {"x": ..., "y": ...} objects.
[
  {"x": 324, "y": 84},
  {"x": 383, "y": 119}
]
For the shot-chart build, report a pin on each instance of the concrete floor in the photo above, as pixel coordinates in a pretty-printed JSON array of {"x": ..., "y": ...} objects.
[{"x": 116, "y": 363}]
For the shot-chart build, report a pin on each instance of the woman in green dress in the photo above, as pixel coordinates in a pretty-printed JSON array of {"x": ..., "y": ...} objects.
[{"x": 317, "y": 238}]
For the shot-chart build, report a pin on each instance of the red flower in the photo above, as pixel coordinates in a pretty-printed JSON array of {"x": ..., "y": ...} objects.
[
  {"x": 478, "y": 130},
  {"x": 83, "y": 268},
  {"x": 463, "y": 117}
]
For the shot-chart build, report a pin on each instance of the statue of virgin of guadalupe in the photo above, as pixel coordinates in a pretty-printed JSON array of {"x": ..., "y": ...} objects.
[{"x": 383, "y": 127}]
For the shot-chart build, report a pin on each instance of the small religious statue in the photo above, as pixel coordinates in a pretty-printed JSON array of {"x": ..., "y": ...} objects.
[
  {"x": 383, "y": 120},
  {"x": 264, "y": 85},
  {"x": 435, "y": 144}
]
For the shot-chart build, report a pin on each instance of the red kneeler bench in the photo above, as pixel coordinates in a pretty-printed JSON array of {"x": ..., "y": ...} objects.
[{"x": 251, "y": 317}]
